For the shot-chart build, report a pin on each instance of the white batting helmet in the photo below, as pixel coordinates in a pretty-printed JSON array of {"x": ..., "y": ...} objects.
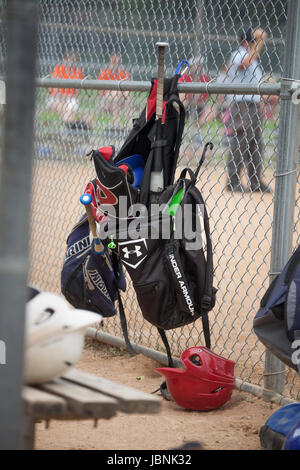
[{"x": 54, "y": 337}]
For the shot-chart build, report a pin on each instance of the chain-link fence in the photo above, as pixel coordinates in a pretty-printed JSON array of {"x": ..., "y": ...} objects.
[{"x": 109, "y": 41}]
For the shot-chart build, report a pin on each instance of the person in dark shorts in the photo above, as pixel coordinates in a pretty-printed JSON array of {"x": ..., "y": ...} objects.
[{"x": 246, "y": 144}]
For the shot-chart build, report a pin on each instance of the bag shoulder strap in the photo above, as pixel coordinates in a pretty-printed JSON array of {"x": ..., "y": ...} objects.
[
  {"x": 209, "y": 290},
  {"x": 174, "y": 98},
  {"x": 167, "y": 346},
  {"x": 191, "y": 175},
  {"x": 123, "y": 322},
  {"x": 209, "y": 270}
]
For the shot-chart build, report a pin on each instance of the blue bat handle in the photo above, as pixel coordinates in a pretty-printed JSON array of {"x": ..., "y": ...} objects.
[{"x": 86, "y": 199}]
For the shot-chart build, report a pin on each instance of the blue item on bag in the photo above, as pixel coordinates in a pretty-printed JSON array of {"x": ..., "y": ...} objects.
[
  {"x": 292, "y": 441},
  {"x": 277, "y": 322},
  {"x": 86, "y": 281},
  {"x": 279, "y": 430},
  {"x": 137, "y": 164}
]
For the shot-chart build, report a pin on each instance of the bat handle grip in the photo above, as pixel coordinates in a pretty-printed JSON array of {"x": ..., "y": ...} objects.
[
  {"x": 158, "y": 154},
  {"x": 86, "y": 200}
]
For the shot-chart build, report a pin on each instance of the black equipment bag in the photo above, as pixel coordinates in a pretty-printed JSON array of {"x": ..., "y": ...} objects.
[
  {"x": 171, "y": 275},
  {"x": 141, "y": 139}
]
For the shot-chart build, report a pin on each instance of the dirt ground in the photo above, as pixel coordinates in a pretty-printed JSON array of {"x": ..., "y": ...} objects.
[{"x": 235, "y": 426}]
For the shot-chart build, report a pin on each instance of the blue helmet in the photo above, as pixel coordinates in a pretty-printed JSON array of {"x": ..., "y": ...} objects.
[
  {"x": 292, "y": 441},
  {"x": 275, "y": 431},
  {"x": 136, "y": 163}
]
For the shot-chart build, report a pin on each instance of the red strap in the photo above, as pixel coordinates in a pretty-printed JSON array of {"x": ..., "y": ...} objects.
[
  {"x": 151, "y": 103},
  {"x": 106, "y": 152},
  {"x": 124, "y": 168}
]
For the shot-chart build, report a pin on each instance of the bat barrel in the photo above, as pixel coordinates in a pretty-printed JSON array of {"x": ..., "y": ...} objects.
[
  {"x": 157, "y": 176},
  {"x": 160, "y": 78}
]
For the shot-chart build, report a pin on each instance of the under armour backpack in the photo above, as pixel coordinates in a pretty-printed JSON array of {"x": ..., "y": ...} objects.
[
  {"x": 277, "y": 322},
  {"x": 173, "y": 275}
]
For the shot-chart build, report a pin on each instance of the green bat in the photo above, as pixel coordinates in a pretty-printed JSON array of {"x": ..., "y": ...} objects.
[{"x": 174, "y": 204}]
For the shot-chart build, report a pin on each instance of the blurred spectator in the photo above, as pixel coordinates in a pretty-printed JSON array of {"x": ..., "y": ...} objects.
[
  {"x": 64, "y": 101},
  {"x": 246, "y": 143},
  {"x": 197, "y": 101},
  {"x": 115, "y": 102},
  {"x": 223, "y": 105},
  {"x": 269, "y": 105}
]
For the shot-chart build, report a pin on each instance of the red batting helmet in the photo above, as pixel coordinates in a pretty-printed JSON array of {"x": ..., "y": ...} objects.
[{"x": 206, "y": 382}]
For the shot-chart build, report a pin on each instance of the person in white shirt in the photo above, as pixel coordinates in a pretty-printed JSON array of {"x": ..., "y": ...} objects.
[{"x": 246, "y": 144}]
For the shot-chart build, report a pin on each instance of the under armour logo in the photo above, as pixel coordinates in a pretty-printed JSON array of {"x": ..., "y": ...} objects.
[
  {"x": 133, "y": 252},
  {"x": 136, "y": 251}
]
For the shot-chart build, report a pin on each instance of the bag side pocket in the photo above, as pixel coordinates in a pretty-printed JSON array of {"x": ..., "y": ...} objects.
[
  {"x": 185, "y": 299},
  {"x": 155, "y": 299}
]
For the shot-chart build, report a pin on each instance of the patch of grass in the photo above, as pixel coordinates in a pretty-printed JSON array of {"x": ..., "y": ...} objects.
[
  {"x": 160, "y": 348},
  {"x": 115, "y": 352},
  {"x": 105, "y": 349}
]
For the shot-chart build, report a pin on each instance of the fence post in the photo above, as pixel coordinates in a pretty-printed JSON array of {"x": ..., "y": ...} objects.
[
  {"x": 16, "y": 162},
  {"x": 286, "y": 175}
]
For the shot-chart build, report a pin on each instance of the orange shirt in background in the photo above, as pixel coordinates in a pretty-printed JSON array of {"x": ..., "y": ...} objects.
[
  {"x": 107, "y": 74},
  {"x": 65, "y": 72}
]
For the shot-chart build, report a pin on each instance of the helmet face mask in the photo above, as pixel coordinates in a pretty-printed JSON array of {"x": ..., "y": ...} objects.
[
  {"x": 205, "y": 383},
  {"x": 195, "y": 359}
]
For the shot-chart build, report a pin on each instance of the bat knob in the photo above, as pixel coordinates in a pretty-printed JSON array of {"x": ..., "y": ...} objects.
[
  {"x": 162, "y": 44},
  {"x": 86, "y": 199}
]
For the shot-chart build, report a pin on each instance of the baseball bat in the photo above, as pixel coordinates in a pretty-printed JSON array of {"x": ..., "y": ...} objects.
[
  {"x": 86, "y": 200},
  {"x": 157, "y": 175}
]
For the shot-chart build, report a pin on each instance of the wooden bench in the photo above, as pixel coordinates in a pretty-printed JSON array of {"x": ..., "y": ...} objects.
[{"x": 79, "y": 395}]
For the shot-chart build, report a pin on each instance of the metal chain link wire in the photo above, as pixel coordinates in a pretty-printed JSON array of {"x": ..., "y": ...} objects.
[{"x": 116, "y": 40}]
